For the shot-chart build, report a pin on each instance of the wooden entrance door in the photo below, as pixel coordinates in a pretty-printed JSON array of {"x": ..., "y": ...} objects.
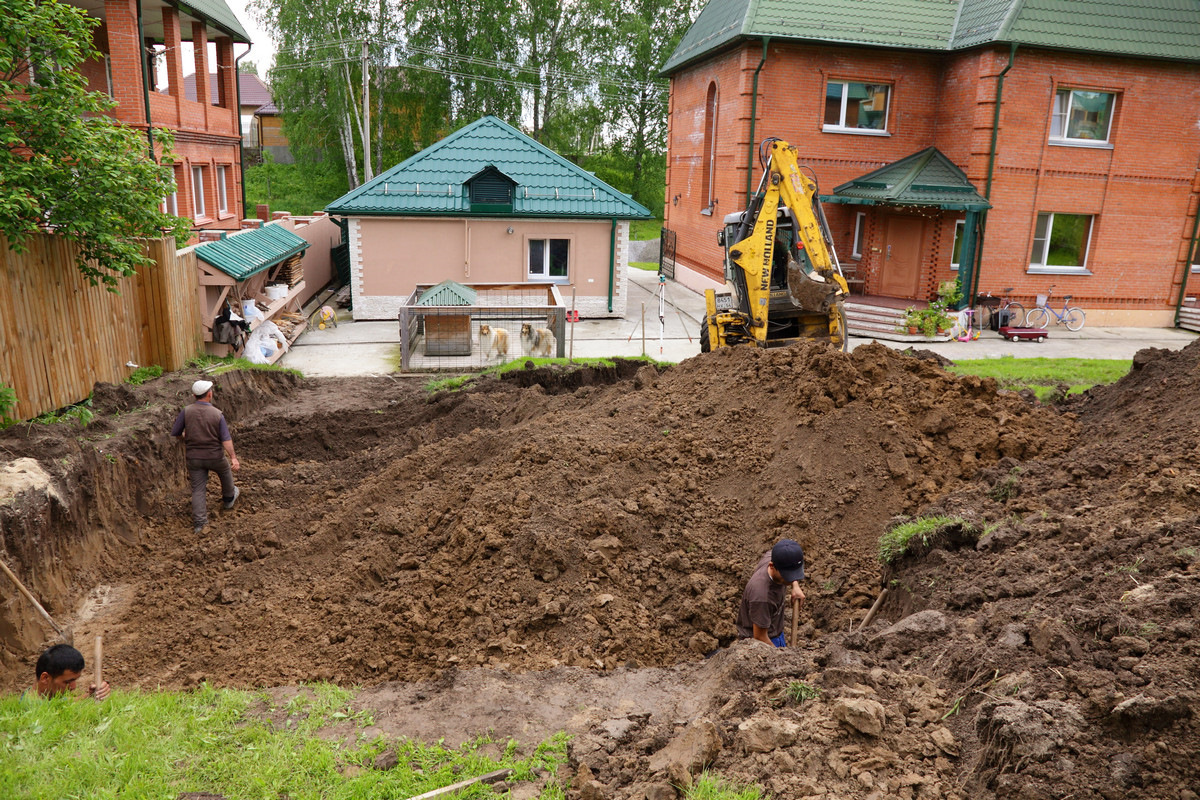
[{"x": 901, "y": 256}]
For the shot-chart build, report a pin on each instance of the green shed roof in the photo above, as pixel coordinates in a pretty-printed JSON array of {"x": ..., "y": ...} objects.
[
  {"x": 218, "y": 12},
  {"x": 1155, "y": 28},
  {"x": 251, "y": 251},
  {"x": 926, "y": 178},
  {"x": 434, "y": 181},
  {"x": 448, "y": 293}
]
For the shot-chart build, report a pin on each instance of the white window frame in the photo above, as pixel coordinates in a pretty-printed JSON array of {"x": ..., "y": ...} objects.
[
  {"x": 1060, "y": 116},
  {"x": 546, "y": 277},
  {"x": 960, "y": 227},
  {"x": 222, "y": 194},
  {"x": 198, "y": 192},
  {"x": 1042, "y": 268},
  {"x": 860, "y": 234},
  {"x": 840, "y": 127},
  {"x": 170, "y": 203}
]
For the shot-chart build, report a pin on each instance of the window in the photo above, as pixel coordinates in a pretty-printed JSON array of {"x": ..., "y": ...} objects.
[
  {"x": 708, "y": 180},
  {"x": 171, "y": 203},
  {"x": 860, "y": 233},
  {"x": 956, "y": 251},
  {"x": 1081, "y": 117},
  {"x": 197, "y": 192},
  {"x": 548, "y": 259},
  {"x": 1060, "y": 243},
  {"x": 222, "y": 199},
  {"x": 858, "y": 107}
]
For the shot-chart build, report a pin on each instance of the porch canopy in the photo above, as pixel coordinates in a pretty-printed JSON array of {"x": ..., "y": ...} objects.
[{"x": 928, "y": 179}]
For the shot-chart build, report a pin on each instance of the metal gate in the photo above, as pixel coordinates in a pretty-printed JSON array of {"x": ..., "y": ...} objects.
[{"x": 666, "y": 254}]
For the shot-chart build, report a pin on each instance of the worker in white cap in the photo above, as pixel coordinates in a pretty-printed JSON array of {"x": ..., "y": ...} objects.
[{"x": 206, "y": 438}]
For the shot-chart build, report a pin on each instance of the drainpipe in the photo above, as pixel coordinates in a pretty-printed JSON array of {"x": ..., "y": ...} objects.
[
  {"x": 145, "y": 79},
  {"x": 237, "y": 94},
  {"x": 987, "y": 193},
  {"x": 612, "y": 261},
  {"x": 753, "y": 116},
  {"x": 1193, "y": 258}
]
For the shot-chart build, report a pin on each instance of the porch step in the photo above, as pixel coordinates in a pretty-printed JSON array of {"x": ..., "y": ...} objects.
[
  {"x": 1189, "y": 318},
  {"x": 881, "y": 322}
]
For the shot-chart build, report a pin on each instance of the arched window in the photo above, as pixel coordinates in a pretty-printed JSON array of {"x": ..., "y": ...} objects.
[{"x": 708, "y": 193}]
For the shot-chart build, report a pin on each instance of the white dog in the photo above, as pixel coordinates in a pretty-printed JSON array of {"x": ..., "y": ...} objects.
[
  {"x": 538, "y": 342},
  {"x": 493, "y": 341}
]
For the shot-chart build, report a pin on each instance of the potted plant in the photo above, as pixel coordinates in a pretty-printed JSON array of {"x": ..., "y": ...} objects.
[{"x": 912, "y": 320}]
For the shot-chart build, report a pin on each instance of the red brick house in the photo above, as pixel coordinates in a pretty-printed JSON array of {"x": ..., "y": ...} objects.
[
  {"x": 1023, "y": 143},
  {"x": 208, "y": 163}
]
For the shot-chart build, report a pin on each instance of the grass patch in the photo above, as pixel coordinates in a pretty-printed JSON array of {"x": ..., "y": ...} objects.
[
  {"x": 143, "y": 374},
  {"x": 642, "y": 229},
  {"x": 646, "y": 266},
  {"x": 896, "y": 542},
  {"x": 1044, "y": 375},
  {"x": 161, "y": 744},
  {"x": 219, "y": 366},
  {"x": 799, "y": 691},
  {"x": 713, "y": 787},
  {"x": 459, "y": 381},
  {"x": 80, "y": 413}
]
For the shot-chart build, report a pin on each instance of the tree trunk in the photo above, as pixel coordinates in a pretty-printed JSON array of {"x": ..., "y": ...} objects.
[{"x": 346, "y": 135}]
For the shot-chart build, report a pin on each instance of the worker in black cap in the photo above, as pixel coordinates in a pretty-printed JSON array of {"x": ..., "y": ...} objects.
[{"x": 776, "y": 579}]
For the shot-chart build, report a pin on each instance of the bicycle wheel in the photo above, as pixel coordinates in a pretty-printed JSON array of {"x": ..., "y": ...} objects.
[
  {"x": 1016, "y": 315},
  {"x": 983, "y": 318},
  {"x": 1037, "y": 318},
  {"x": 1074, "y": 318}
]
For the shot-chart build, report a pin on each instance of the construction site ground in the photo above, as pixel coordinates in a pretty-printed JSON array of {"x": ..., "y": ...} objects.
[{"x": 565, "y": 550}]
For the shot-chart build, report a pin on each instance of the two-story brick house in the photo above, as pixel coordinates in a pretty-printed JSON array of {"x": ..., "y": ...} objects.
[
  {"x": 142, "y": 39},
  {"x": 1032, "y": 142}
]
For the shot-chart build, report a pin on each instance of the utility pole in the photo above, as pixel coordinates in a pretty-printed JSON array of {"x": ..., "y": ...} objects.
[{"x": 367, "y": 172}]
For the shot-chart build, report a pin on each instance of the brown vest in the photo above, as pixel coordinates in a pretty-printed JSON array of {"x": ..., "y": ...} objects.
[{"x": 202, "y": 431}]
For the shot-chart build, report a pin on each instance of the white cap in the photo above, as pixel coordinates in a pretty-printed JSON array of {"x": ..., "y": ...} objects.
[{"x": 200, "y": 388}]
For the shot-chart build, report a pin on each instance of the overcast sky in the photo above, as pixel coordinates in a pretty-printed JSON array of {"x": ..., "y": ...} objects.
[{"x": 263, "y": 51}]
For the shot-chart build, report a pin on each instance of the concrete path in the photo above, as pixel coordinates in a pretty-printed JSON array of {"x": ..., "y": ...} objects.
[{"x": 373, "y": 348}]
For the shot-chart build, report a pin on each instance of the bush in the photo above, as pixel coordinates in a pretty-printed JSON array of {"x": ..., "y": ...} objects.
[
  {"x": 8, "y": 401},
  {"x": 143, "y": 374}
]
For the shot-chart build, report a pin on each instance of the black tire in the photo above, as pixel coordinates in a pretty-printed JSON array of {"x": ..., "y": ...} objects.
[
  {"x": 985, "y": 319},
  {"x": 705, "y": 346},
  {"x": 1016, "y": 315},
  {"x": 1074, "y": 318}
]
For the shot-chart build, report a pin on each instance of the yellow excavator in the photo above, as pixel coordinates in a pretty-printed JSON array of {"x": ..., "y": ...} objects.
[{"x": 783, "y": 283}]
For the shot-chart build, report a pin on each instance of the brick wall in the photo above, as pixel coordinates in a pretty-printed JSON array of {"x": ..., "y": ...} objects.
[{"x": 1142, "y": 191}]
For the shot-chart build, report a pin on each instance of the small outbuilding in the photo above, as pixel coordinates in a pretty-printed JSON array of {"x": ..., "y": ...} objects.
[{"x": 487, "y": 205}]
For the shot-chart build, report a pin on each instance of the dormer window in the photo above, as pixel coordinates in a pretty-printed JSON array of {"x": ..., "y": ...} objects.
[{"x": 491, "y": 191}]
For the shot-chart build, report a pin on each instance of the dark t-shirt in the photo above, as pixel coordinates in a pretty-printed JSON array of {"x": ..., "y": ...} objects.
[{"x": 762, "y": 602}]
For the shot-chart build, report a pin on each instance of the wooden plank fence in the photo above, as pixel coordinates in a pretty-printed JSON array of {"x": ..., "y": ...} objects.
[{"x": 59, "y": 335}]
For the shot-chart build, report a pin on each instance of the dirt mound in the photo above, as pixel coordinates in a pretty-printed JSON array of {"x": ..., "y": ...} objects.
[{"x": 554, "y": 522}]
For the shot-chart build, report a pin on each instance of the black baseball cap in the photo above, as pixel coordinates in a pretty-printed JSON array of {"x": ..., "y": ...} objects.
[{"x": 788, "y": 558}]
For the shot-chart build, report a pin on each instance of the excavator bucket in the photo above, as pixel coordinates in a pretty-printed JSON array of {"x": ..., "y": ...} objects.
[{"x": 808, "y": 290}]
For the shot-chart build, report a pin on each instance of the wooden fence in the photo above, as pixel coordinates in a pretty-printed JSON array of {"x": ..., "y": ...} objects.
[{"x": 59, "y": 335}]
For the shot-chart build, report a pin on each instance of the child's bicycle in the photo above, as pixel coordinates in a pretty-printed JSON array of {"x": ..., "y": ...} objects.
[{"x": 1039, "y": 317}]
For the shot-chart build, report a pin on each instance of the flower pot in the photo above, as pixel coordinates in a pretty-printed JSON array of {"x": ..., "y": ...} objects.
[{"x": 913, "y": 330}]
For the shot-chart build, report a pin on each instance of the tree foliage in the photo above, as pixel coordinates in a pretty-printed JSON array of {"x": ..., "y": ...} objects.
[{"x": 65, "y": 166}]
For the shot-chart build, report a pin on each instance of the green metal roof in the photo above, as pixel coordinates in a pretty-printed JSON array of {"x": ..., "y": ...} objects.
[
  {"x": 218, "y": 12},
  {"x": 1155, "y": 28},
  {"x": 926, "y": 178},
  {"x": 448, "y": 293},
  {"x": 434, "y": 181},
  {"x": 251, "y": 251}
]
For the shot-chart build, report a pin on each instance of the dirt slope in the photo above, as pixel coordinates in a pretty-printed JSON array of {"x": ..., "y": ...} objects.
[{"x": 602, "y": 523}]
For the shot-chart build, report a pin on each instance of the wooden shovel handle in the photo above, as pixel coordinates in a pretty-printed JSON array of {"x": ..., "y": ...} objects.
[{"x": 795, "y": 619}]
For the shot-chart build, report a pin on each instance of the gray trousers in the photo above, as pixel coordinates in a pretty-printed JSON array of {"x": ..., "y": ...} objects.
[{"x": 198, "y": 469}]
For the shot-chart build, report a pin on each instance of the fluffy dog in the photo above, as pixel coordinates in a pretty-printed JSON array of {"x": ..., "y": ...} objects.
[
  {"x": 538, "y": 342},
  {"x": 493, "y": 341}
]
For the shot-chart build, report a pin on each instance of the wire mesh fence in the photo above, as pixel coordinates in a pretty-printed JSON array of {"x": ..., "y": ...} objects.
[{"x": 486, "y": 325}]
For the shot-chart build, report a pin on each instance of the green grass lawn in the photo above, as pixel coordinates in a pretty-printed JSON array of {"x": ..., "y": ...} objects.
[
  {"x": 648, "y": 266},
  {"x": 642, "y": 229},
  {"x": 1043, "y": 375},
  {"x": 237, "y": 744}
]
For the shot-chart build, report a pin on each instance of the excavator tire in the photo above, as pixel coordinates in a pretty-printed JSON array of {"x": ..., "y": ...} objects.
[{"x": 705, "y": 346}]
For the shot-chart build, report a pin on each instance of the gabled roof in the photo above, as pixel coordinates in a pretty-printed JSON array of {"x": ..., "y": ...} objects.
[
  {"x": 251, "y": 90},
  {"x": 926, "y": 178},
  {"x": 448, "y": 293},
  {"x": 433, "y": 182},
  {"x": 251, "y": 251},
  {"x": 1153, "y": 28}
]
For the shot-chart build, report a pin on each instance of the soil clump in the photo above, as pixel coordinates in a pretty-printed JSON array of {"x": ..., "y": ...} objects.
[{"x": 562, "y": 550}]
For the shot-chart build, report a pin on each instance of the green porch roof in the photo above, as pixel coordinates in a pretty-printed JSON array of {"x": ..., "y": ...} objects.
[
  {"x": 1167, "y": 29},
  {"x": 434, "y": 181},
  {"x": 251, "y": 251},
  {"x": 926, "y": 178},
  {"x": 448, "y": 293},
  {"x": 218, "y": 12}
]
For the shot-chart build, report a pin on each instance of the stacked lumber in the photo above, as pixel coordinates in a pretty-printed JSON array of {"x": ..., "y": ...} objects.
[{"x": 291, "y": 271}]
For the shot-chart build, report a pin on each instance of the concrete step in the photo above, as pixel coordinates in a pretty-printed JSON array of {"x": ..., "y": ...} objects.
[{"x": 1189, "y": 318}]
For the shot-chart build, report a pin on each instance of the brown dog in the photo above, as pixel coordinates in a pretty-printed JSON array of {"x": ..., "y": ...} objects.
[
  {"x": 493, "y": 341},
  {"x": 538, "y": 342}
]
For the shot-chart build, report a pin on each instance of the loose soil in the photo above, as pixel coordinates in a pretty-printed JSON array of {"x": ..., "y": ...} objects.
[{"x": 565, "y": 550}]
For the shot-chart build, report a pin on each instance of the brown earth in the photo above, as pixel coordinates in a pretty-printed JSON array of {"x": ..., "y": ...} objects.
[{"x": 559, "y": 550}]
